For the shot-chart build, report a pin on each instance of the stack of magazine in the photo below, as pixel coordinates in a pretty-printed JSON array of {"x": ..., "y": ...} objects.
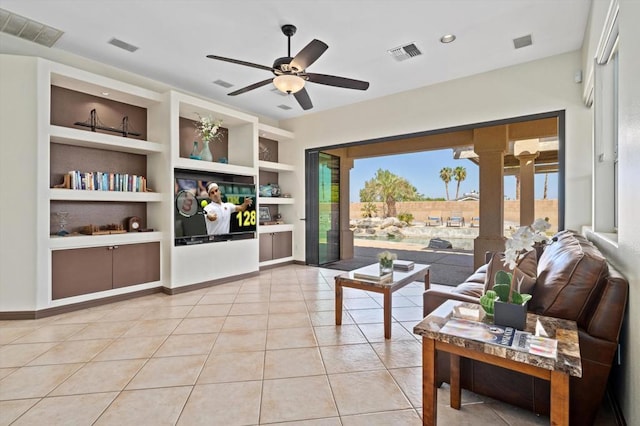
[
  {"x": 500, "y": 335},
  {"x": 403, "y": 265}
]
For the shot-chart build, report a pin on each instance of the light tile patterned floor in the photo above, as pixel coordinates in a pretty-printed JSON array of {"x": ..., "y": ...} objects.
[{"x": 263, "y": 350}]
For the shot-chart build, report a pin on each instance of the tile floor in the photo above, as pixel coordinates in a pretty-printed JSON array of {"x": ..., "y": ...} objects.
[{"x": 263, "y": 350}]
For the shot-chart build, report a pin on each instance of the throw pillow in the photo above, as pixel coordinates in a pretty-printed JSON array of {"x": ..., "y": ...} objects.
[{"x": 526, "y": 269}]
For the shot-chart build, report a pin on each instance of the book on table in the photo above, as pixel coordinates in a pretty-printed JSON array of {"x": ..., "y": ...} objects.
[
  {"x": 403, "y": 265},
  {"x": 372, "y": 273}
]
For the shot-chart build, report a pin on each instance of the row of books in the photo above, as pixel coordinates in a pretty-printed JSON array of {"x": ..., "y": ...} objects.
[
  {"x": 500, "y": 335},
  {"x": 104, "y": 181}
]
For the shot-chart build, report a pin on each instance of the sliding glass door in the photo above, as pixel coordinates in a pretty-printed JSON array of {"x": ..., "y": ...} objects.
[{"x": 323, "y": 208}]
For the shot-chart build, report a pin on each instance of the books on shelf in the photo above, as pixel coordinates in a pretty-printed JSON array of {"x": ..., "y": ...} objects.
[
  {"x": 500, "y": 335},
  {"x": 403, "y": 265},
  {"x": 372, "y": 273},
  {"x": 104, "y": 181}
]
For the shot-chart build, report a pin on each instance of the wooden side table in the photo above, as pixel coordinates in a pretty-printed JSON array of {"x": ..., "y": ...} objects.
[{"x": 556, "y": 371}]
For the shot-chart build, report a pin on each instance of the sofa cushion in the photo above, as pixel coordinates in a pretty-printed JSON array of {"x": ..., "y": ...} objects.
[
  {"x": 571, "y": 274},
  {"x": 525, "y": 269}
]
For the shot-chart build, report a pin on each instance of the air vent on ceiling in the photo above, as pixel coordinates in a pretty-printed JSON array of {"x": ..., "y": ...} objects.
[
  {"x": 123, "y": 45},
  {"x": 223, "y": 83},
  {"x": 402, "y": 53},
  {"x": 284, "y": 107},
  {"x": 28, "y": 29},
  {"x": 521, "y": 42}
]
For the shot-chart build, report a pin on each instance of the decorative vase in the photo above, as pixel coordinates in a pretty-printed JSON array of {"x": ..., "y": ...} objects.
[
  {"x": 510, "y": 314},
  {"x": 386, "y": 266},
  {"x": 205, "y": 154},
  {"x": 194, "y": 152}
]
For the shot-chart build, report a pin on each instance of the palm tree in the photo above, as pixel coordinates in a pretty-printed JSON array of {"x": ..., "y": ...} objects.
[
  {"x": 388, "y": 188},
  {"x": 445, "y": 174},
  {"x": 459, "y": 174}
]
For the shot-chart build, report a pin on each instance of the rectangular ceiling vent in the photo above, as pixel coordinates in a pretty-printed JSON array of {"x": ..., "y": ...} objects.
[
  {"x": 405, "y": 52},
  {"x": 123, "y": 45},
  {"x": 223, "y": 83},
  {"x": 284, "y": 107},
  {"x": 521, "y": 42},
  {"x": 28, "y": 29}
]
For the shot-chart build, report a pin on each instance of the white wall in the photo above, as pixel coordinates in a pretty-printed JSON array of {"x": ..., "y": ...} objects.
[
  {"x": 535, "y": 87},
  {"x": 19, "y": 170},
  {"x": 626, "y": 252}
]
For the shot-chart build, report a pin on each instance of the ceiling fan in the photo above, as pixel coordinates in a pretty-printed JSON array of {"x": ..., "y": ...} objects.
[{"x": 290, "y": 72}]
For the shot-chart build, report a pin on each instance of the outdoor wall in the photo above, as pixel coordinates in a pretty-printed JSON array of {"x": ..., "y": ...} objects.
[{"x": 468, "y": 209}]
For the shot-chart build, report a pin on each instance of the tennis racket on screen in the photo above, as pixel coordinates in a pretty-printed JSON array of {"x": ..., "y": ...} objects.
[{"x": 187, "y": 204}]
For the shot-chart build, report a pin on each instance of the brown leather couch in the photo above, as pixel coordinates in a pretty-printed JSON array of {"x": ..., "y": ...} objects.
[{"x": 574, "y": 282}]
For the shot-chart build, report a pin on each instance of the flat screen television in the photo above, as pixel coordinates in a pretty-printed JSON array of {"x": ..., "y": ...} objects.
[{"x": 190, "y": 198}]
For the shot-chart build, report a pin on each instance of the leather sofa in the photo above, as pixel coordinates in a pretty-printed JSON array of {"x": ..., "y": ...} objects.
[{"x": 574, "y": 281}]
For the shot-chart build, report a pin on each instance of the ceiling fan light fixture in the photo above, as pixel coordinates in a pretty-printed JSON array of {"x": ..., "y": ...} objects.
[{"x": 288, "y": 83}]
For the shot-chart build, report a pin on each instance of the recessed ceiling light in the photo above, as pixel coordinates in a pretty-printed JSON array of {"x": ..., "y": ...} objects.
[
  {"x": 447, "y": 38},
  {"x": 105, "y": 93}
]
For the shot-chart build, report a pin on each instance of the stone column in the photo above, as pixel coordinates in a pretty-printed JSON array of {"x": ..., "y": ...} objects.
[
  {"x": 490, "y": 143},
  {"x": 527, "y": 151}
]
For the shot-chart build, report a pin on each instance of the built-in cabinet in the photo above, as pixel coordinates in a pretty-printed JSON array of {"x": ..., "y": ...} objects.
[
  {"x": 42, "y": 104},
  {"x": 276, "y": 240},
  {"x": 89, "y": 270}
]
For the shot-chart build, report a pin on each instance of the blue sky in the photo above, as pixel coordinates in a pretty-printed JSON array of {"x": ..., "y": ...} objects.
[{"x": 422, "y": 170}]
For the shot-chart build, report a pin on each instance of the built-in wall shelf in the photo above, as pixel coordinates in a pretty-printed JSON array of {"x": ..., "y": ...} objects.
[
  {"x": 267, "y": 229},
  {"x": 275, "y": 200},
  {"x": 60, "y": 194},
  {"x": 83, "y": 241},
  {"x": 270, "y": 166},
  {"x": 88, "y": 139},
  {"x": 209, "y": 166}
]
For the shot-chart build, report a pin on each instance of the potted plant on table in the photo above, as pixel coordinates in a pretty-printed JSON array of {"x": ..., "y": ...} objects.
[
  {"x": 386, "y": 259},
  {"x": 505, "y": 301}
]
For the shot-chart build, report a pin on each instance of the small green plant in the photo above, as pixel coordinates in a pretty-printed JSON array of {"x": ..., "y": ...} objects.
[
  {"x": 502, "y": 288},
  {"x": 406, "y": 217},
  {"x": 368, "y": 210},
  {"x": 487, "y": 301}
]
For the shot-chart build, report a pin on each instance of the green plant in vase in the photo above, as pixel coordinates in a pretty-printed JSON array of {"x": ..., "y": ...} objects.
[{"x": 386, "y": 259}]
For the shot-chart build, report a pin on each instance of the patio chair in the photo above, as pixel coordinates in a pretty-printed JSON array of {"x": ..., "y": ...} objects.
[
  {"x": 475, "y": 222},
  {"x": 456, "y": 219},
  {"x": 433, "y": 220}
]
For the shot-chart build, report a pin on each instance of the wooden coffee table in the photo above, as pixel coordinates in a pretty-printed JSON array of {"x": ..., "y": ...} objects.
[
  {"x": 399, "y": 280},
  {"x": 557, "y": 371}
]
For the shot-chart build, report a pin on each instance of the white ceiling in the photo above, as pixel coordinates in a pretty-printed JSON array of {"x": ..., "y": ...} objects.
[{"x": 174, "y": 37}]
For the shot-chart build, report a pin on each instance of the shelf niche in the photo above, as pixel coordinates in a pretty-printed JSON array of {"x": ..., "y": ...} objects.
[
  {"x": 69, "y": 107},
  {"x": 219, "y": 147}
]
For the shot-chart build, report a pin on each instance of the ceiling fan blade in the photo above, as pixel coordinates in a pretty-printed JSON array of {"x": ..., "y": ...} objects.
[
  {"x": 236, "y": 61},
  {"x": 251, "y": 87},
  {"x": 332, "y": 80},
  {"x": 303, "y": 99},
  {"x": 308, "y": 55}
]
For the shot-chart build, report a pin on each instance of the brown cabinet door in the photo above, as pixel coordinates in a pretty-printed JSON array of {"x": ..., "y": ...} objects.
[
  {"x": 80, "y": 271},
  {"x": 136, "y": 264},
  {"x": 266, "y": 247},
  {"x": 282, "y": 244}
]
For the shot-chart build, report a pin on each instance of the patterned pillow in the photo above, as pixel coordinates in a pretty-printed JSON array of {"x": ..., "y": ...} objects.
[{"x": 526, "y": 269}]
